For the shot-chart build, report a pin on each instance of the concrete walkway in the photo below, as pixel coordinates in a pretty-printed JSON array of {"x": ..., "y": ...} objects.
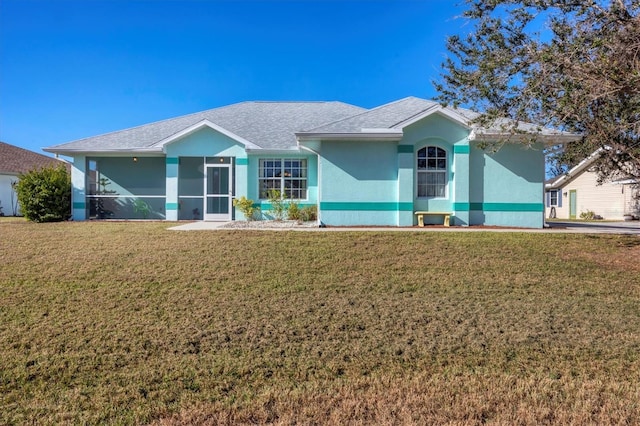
[{"x": 632, "y": 228}]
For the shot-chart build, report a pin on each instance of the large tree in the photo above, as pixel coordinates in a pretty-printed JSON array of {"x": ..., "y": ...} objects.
[{"x": 572, "y": 65}]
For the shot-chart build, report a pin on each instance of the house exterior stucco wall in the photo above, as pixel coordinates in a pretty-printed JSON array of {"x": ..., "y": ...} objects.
[
  {"x": 6, "y": 195},
  {"x": 506, "y": 187},
  {"x": 440, "y": 131},
  {"x": 359, "y": 183}
]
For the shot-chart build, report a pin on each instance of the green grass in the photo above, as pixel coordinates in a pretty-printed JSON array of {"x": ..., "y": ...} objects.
[{"x": 116, "y": 323}]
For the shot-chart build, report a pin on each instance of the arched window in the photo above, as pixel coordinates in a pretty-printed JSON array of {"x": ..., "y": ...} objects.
[{"x": 432, "y": 172}]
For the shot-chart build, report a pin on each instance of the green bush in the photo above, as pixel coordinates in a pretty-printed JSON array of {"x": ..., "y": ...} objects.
[
  {"x": 45, "y": 194},
  {"x": 588, "y": 215},
  {"x": 309, "y": 213},
  {"x": 245, "y": 205},
  {"x": 278, "y": 203},
  {"x": 294, "y": 211}
]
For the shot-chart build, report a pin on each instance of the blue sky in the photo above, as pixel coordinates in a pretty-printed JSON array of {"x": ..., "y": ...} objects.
[{"x": 73, "y": 69}]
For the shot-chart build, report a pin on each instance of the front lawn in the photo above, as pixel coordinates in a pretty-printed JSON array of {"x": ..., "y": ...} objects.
[{"x": 131, "y": 323}]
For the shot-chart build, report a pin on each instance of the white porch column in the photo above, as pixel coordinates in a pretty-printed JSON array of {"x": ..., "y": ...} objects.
[
  {"x": 78, "y": 188},
  {"x": 172, "y": 204}
]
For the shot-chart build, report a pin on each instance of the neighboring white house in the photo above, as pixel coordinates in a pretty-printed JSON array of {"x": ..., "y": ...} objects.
[
  {"x": 13, "y": 162},
  {"x": 578, "y": 191}
]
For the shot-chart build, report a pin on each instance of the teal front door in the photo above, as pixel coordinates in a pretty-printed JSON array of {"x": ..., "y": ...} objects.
[
  {"x": 573, "y": 199},
  {"x": 218, "y": 194}
]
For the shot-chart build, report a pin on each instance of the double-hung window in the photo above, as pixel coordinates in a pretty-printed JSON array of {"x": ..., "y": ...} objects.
[
  {"x": 432, "y": 172},
  {"x": 288, "y": 175}
]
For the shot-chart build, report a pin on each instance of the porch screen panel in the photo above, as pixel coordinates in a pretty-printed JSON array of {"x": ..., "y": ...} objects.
[
  {"x": 191, "y": 188},
  {"x": 191, "y": 176}
]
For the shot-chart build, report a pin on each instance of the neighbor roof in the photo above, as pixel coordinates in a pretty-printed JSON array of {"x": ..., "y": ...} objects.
[
  {"x": 581, "y": 167},
  {"x": 267, "y": 125},
  {"x": 15, "y": 160}
]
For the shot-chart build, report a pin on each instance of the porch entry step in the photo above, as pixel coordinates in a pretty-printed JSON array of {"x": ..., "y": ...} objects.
[{"x": 421, "y": 215}]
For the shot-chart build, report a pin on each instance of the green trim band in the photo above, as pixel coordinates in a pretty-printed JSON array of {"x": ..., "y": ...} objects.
[
  {"x": 79, "y": 206},
  {"x": 461, "y": 149},
  {"x": 369, "y": 206},
  {"x": 173, "y": 160},
  {"x": 172, "y": 206},
  {"x": 405, "y": 149},
  {"x": 242, "y": 161},
  {"x": 499, "y": 207}
]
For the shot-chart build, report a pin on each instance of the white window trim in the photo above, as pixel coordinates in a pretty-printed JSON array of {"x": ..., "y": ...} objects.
[
  {"x": 282, "y": 178},
  {"x": 446, "y": 173}
]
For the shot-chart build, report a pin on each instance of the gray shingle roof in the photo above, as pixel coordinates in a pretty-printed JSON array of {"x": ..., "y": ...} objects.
[
  {"x": 273, "y": 125},
  {"x": 383, "y": 117},
  {"x": 269, "y": 125},
  {"x": 15, "y": 160}
]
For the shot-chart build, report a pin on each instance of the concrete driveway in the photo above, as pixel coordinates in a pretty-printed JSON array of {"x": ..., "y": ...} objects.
[{"x": 631, "y": 227}]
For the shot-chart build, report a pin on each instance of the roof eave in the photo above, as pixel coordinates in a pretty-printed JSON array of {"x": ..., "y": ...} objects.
[
  {"x": 275, "y": 151},
  {"x": 388, "y": 135},
  {"x": 576, "y": 170},
  {"x": 546, "y": 139},
  {"x": 71, "y": 152}
]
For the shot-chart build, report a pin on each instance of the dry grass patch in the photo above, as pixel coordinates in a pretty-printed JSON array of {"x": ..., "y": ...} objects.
[{"x": 131, "y": 323}]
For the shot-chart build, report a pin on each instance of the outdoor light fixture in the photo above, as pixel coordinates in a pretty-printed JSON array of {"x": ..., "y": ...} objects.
[{"x": 135, "y": 159}]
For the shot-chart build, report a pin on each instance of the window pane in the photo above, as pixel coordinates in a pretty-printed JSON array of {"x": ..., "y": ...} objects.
[
  {"x": 430, "y": 178},
  {"x": 285, "y": 175},
  {"x": 431, "y": 164},
  {"x": 442, "y": 164},
  {"x": 422, "y": 153},
  {"x": 422, "y": 163},
  {"x": 431, "y": 151},
  {"x": 441, "y": 152}
]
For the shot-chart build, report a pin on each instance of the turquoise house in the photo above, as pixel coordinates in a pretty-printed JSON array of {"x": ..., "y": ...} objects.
[{"x": 358, "y": 166}]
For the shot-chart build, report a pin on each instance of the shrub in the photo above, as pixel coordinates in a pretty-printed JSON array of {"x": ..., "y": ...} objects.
[
  {"x": 588, "y": 215},
  {"x": 294, "y": 211},
  {"x": 278, "y": 204},
  {"x": 45, "y": 194},
  {"x": 309, "y": 213},
  {"x": 245, "y": 205}
]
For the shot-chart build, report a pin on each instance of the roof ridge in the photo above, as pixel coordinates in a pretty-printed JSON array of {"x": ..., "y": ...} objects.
[{"x": 430, "y": 107}]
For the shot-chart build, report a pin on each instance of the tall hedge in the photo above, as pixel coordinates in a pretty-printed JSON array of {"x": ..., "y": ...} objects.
[{"x": 45, "y": 194}]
